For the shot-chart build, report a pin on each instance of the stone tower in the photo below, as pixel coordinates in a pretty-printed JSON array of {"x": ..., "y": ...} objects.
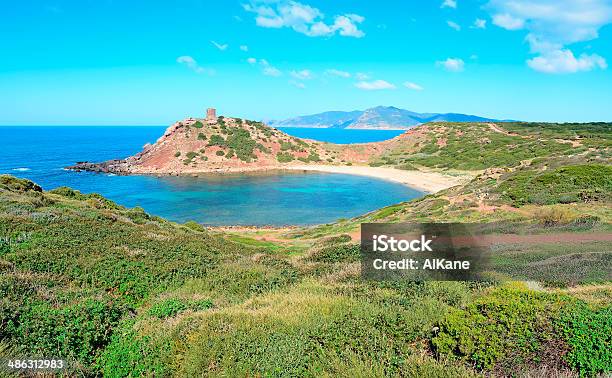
[{"x": 211, "y": 115}]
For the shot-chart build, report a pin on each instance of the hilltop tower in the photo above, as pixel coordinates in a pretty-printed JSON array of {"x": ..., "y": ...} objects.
[{"x": 211, "y": 115}]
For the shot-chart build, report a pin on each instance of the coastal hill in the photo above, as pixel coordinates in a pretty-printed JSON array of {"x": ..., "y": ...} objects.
[
  {"x": 432, "y": 157},
  {"x": 380, "y": 117}
]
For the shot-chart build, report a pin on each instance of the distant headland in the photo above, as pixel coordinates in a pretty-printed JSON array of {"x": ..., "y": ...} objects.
[{"x": 376, "y": 118}]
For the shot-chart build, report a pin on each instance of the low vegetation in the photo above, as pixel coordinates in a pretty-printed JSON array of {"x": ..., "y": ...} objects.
[{"x": 119, "y": 292}]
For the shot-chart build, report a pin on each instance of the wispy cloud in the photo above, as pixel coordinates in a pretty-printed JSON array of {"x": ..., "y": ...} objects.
[
  {"x": 553, "y": 25},
  {"x": 193, "y": 65},
  {"x": 302, "y": 75},
  {"x": 297, "y": 84},
  {"x": 479, "y": 23},
  {"x": 244, "y": 48},
  {"x": 266, "y": 68},
  {"x": 449, "y": 4},
  {"x": 303, "y": 18},
  {"x": 451, "y": 64},
  {"x": 339, "y": 73},
  {"x": 374, "y": 85},
  {"x": 508, "y": 21},
  {"x": 453, "y": 25},
  {"x": 220, "y": 46},
  {"x": 413, "y": 86},
  {"x": 362, "y": 76}
]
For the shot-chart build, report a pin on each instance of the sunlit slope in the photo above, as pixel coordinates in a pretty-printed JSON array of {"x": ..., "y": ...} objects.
[{"x": 118, "y": 292}]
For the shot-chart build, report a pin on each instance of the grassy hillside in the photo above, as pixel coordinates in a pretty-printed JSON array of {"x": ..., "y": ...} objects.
[
  {"x": 477, "y": 146},
  {"x": 118, "y": 292}
]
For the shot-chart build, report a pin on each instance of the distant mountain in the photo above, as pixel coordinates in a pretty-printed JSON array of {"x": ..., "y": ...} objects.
[{"x": 380, "y": 117}]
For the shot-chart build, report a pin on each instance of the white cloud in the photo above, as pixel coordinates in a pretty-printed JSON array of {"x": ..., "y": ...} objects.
[
  {"x": 374, "y": 85},
  {"x": 507, "y": 21},
  {"x": 551, "y": 26},
  {"x": 244, "y": 48},
  {"x": 193, "y": 65},
  {"x": 302, "y": 75},
  {"x": 339, "y": 73},
  {"x": 451, "y": 64},
  {"x": 449, "y": 4},
  {"x": 479, "y": 23},
  {"x": 303, "y": 18},
  {"x": 413, "y": 86},
  {"x": 453, "y": 25},
  {"x": 362, "y": 76},
  {"x": 297, "y": 84},
  {"x": 220, "y": 46},
  {"x": 266, "y": 68},
  {"x": 564, "y": 61}
]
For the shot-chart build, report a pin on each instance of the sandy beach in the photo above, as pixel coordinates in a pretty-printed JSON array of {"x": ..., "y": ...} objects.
[{"x": 430, "y": 182}]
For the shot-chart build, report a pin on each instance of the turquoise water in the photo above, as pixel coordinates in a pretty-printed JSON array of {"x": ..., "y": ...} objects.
[{"x": 40, "y": 153}]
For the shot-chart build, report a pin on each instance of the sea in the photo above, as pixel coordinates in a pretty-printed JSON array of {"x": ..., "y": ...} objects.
[{"x": 40, "y": 154}]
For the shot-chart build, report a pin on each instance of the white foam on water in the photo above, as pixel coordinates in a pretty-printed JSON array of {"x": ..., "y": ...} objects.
[{"x": 21, "y": 169}]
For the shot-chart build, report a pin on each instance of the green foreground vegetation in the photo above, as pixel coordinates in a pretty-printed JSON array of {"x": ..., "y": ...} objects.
[{"x": 118, "y": 292}]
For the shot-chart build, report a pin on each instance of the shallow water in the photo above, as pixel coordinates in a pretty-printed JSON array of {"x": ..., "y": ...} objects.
[{"x": 40, "y": 153}]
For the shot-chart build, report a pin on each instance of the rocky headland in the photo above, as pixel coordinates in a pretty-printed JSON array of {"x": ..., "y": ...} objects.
[{"x": 232, "y": 145}]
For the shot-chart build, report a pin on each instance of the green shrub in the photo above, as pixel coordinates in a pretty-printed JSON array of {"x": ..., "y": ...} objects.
[
  {"x": 243, "y": 145},
  {"x": 220, "y": 153},
  {"x": 177, "y": 154},
  {"x": 191, "y": 154},
  {"x": 18, "y": 185},
  {"x": 201, "y": 136},
  {"x": 589, "y": 334},
  {"x": 344, "y": 252},
  {"x": 216, "y": 140},
  {"x": 230, "y": 154},
  {"x": 507, "y": 328},
  {"x": 167, "y": 308},
  {"x": 198, "y": 125},
  {"x": 283, "y": 157},
  {"x": 577, "y": 183}
]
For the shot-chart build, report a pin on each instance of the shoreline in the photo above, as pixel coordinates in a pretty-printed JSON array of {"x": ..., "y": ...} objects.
[{"x": 428, "y": 182}]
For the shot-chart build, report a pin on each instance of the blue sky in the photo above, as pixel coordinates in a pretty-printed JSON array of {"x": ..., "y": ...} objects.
[{"x": 151, "y": 63}]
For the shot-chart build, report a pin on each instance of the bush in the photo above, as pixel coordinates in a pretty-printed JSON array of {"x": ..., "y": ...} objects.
[
  {"x": 284, "y": 157},
  {"x": 506, "y": 328},
  {"x": 177, "y": 154},
  {"x": 241, "y": 142},
  {"x": 589, "y": 334},
  {"x": 554, "y": 215},
  {"x": 198, "y": 125},
  {"x": 220, "y": 153},
  {"x": 190, "y": 155},
  {"x": 577, "y": 183},
  {"x": 201, "y": 136},
  {"x": 18, "y": 185},
  {"x": 216, "y": 140},
  {"x": 345, "y": 252}
]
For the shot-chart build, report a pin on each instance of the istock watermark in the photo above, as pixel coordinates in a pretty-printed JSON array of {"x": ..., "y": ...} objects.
[
  {"x": 484, "y": 252},
  {"x": 429, "y": 251}
]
